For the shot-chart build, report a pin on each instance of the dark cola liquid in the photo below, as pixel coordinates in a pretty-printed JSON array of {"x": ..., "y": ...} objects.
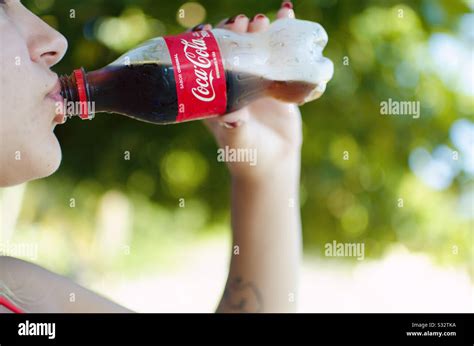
[{"x": 147, "y": 92}]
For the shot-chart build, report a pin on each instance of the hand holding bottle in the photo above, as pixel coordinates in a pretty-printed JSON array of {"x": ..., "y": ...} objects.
[{"x": 270, "y": 126}]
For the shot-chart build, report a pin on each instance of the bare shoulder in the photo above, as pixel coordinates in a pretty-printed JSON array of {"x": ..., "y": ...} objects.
[
  {"x": 12, "y": 270},
  {"x": 7, "y": 263},
  {"x": 37, "y": 289}
]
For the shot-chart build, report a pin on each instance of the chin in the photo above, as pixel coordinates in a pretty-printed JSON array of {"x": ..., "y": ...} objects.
[
  {"x": 49, "y": 160},
  {"x": 44, "y": 159},
  {"x": 49, "y": 168}
]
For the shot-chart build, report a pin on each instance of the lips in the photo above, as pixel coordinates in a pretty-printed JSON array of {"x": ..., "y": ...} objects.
[{"x": 55, "y": 95}]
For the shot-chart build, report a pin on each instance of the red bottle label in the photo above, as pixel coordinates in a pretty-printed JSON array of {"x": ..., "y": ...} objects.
[{"x": 199, "y": 75}]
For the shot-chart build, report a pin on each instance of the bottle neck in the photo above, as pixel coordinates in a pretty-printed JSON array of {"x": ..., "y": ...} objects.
[{"x": 75, "y": 91}]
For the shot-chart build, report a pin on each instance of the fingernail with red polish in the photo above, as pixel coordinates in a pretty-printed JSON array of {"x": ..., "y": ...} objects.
[
  {"x": 232, "y": 20},
  {"x": 232, "y": 125},
  {"x": 257, "y": 17},
  {"x": 287, "y": 4}
]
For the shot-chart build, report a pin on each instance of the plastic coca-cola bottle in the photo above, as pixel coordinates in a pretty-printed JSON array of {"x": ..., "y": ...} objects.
[{"x": 206, "y": 73}]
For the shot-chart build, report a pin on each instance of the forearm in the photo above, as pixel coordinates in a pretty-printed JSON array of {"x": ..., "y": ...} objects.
[{"x": 266, "y": 252}]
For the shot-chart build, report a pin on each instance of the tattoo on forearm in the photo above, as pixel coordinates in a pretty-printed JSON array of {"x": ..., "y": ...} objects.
[{"x": 241, "y": 296}]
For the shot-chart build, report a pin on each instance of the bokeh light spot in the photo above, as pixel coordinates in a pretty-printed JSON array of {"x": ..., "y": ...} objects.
[
  {"x": 183, "y": 171},
  {"x": 355, "y": 219},
  {"x": 191, "y": 14},
  {"x": 129, "y": 29},
  {"x": 44, "y": 4}
]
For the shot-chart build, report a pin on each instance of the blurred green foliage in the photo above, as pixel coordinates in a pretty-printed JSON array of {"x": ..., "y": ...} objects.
[{"x": 347, "y": 200}]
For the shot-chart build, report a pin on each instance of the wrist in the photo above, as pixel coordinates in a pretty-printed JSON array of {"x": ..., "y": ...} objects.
[{"x": 285, "y": 169}]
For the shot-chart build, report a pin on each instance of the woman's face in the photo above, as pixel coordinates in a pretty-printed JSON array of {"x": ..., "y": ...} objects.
[{"x": 28, "y": 95}]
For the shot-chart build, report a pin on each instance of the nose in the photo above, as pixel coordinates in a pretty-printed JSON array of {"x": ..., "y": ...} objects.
[{"x": 46, "y": 46}]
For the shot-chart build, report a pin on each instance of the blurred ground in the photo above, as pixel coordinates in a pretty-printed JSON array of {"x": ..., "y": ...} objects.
[{"x": 399, "y": 282}]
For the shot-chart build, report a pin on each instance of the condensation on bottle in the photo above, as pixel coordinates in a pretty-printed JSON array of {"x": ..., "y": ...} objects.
[{"x": 205, "y": 73}]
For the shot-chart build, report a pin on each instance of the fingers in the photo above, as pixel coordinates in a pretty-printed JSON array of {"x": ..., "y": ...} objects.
[
  {"x": 229, "y": 129},
  {"x": 215, "y": 124},
  {"x": 200, "y": 27},
  {"x": 241, "y": 23},
  {"x": 238, "y": 23},
  {"x": 236, "y": 118},
  {"x": 229, "y": 121},
  {"x": 232, "y": 120},
  {"x": 286, "y": 10},
  {"x": 259, "y": 22}
]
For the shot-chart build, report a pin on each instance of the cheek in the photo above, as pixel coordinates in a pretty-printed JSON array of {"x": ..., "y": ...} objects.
[{"x": 20, "y": 78}]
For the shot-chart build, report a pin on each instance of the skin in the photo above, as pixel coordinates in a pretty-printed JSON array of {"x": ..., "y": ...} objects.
[
  {"x": 263, "y": 273},
  {"x": 266, "y": 227},
  {"x": 28, "y": 148}
]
